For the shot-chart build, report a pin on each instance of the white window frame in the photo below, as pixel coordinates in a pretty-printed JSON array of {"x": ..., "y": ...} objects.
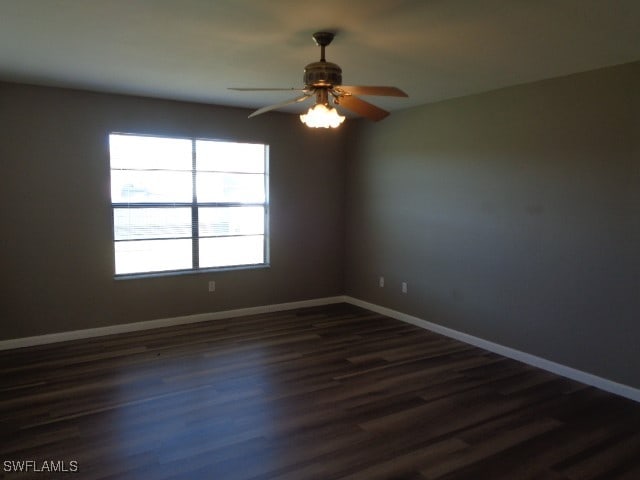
[{"x": 196, "y": 236}]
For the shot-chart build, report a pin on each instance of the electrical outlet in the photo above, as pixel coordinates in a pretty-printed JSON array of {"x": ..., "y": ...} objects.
[
  {"x": 404, "y": 287},
  {"x": 212, "y": 285},
  {"x": 381, "y": 282}
]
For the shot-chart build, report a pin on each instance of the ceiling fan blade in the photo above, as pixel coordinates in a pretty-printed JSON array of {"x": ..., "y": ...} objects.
[
  {"x": 370, "y": 90},
  {"x": 361, "y": 107},
  {"x": 281, "y": 104},
  {"x": 267, "y": 89}
]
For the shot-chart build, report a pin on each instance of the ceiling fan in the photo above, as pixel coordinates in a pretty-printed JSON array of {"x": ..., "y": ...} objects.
[{"x": 324, "y": 81}]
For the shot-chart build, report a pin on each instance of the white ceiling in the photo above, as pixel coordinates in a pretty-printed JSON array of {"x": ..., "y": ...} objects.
[{"x": 194, "y": 49}]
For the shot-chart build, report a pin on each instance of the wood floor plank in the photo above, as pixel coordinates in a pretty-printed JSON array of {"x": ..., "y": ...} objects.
[{"x": 331, "y": 392}]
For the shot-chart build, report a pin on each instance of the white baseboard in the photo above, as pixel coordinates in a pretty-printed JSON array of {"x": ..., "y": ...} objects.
[
  {"x": 553, "y": 367},
  {"x": 163, "y": 322}
]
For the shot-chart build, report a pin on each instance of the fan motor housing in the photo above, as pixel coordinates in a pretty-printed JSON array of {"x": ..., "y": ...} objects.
[{"x": 322, "y": 74}]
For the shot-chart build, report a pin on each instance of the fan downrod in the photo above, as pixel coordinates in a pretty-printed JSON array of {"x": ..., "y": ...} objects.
[{"x": 323, "y": 39}]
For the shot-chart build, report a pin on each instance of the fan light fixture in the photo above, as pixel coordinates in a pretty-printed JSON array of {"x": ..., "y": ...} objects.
[{"x": 322, "y": 116}]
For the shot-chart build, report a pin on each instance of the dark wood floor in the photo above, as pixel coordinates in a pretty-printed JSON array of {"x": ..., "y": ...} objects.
[{"x": 322, "y": 393}]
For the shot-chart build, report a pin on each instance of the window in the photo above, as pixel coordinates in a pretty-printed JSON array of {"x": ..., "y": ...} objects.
[{"x": 186, "y": 204}]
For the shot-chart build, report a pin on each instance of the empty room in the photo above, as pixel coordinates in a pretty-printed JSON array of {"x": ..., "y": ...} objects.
[{"x": 254, "y": 240}]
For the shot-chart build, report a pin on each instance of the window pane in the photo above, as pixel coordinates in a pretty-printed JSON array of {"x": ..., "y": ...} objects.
[
  {"x": 142, "y": 152},
  {"x": 230, "y": 157},
  {"x": 152, "y": 256},
  {"x": 230, "y": 187},
  {"x": 230, "y": 251},
  {"x": 133, "y": 186},
  {"x": 219, "y": 221},
  {"x": 142, "y": 223}
]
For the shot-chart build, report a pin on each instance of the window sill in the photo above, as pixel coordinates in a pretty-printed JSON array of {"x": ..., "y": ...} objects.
[{"x": 179, "y": 273}]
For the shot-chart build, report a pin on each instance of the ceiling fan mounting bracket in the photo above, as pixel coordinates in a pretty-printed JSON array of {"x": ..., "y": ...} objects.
[{"x": 323, "y": 38}]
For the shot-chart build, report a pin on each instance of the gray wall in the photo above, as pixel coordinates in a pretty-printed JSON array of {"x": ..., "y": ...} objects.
[
  {"x": 56, "y": 254},
  {"x": 513, "y": 215}
]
